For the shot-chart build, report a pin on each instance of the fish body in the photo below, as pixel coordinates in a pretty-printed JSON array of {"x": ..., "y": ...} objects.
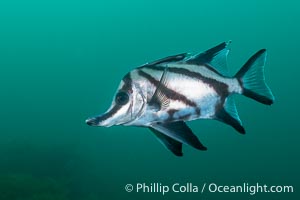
[
  {"x": 163, "y": 94},
  {"x": 191, "y": 91}
]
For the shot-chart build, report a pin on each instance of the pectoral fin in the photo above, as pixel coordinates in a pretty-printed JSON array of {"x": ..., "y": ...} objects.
[
  {"x": 174, "y": 146},
  {"x": 179, "y": 131},
  {"x": 159, "y": 100}
]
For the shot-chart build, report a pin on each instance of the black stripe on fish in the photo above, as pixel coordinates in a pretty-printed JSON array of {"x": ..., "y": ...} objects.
[
  {"x": 209, "y": 67},
  {"x": 105, "y": 116},
  {"x": 219, "y": 87},
  {"x": 127, "y": 83},
  {"x": 171, "y": 113},
  {"x": 171, "y": 94}
]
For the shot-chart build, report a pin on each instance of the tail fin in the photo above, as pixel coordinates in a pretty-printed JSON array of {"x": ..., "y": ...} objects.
[{"x": 252, "y": 79}]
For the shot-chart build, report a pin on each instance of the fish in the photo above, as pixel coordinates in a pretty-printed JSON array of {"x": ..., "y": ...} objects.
[{"x": 164, "y": 94}]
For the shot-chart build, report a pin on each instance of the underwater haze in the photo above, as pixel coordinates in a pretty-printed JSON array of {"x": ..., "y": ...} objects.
[{"x": 61, "y": 62}]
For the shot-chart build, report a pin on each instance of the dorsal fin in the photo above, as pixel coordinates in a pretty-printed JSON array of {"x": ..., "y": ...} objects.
[
  {"x": 215, "y": 57},
  {"x": 174, "y": 58}
]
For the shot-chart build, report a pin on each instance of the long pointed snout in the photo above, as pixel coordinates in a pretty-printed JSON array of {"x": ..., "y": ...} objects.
[
  {"x": 101, "y": 120},
  {"x": 107, "y": 119},
  {"x": 92, "y": 121}
]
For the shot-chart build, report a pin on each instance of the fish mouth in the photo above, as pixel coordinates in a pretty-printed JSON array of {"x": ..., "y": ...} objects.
[{"x": 92, "y": 121}]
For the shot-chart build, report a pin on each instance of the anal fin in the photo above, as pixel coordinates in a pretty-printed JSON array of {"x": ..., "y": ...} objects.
[
  {"x": 173, "y": 145},
  {"x": 229, "y": 115}
]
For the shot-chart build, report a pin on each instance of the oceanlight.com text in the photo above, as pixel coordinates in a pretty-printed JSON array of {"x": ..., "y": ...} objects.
[{"x": 250, "y": 189}]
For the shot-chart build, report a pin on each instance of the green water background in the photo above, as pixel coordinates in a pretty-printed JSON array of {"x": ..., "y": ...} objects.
[{"x": 61, "y": 61}]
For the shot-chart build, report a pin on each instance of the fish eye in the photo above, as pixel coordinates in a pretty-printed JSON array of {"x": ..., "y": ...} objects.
[{"x": 122, "y": 98}]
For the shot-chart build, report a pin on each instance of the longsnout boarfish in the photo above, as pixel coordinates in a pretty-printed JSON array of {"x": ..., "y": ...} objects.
[{"x": 164, "y": 94}]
